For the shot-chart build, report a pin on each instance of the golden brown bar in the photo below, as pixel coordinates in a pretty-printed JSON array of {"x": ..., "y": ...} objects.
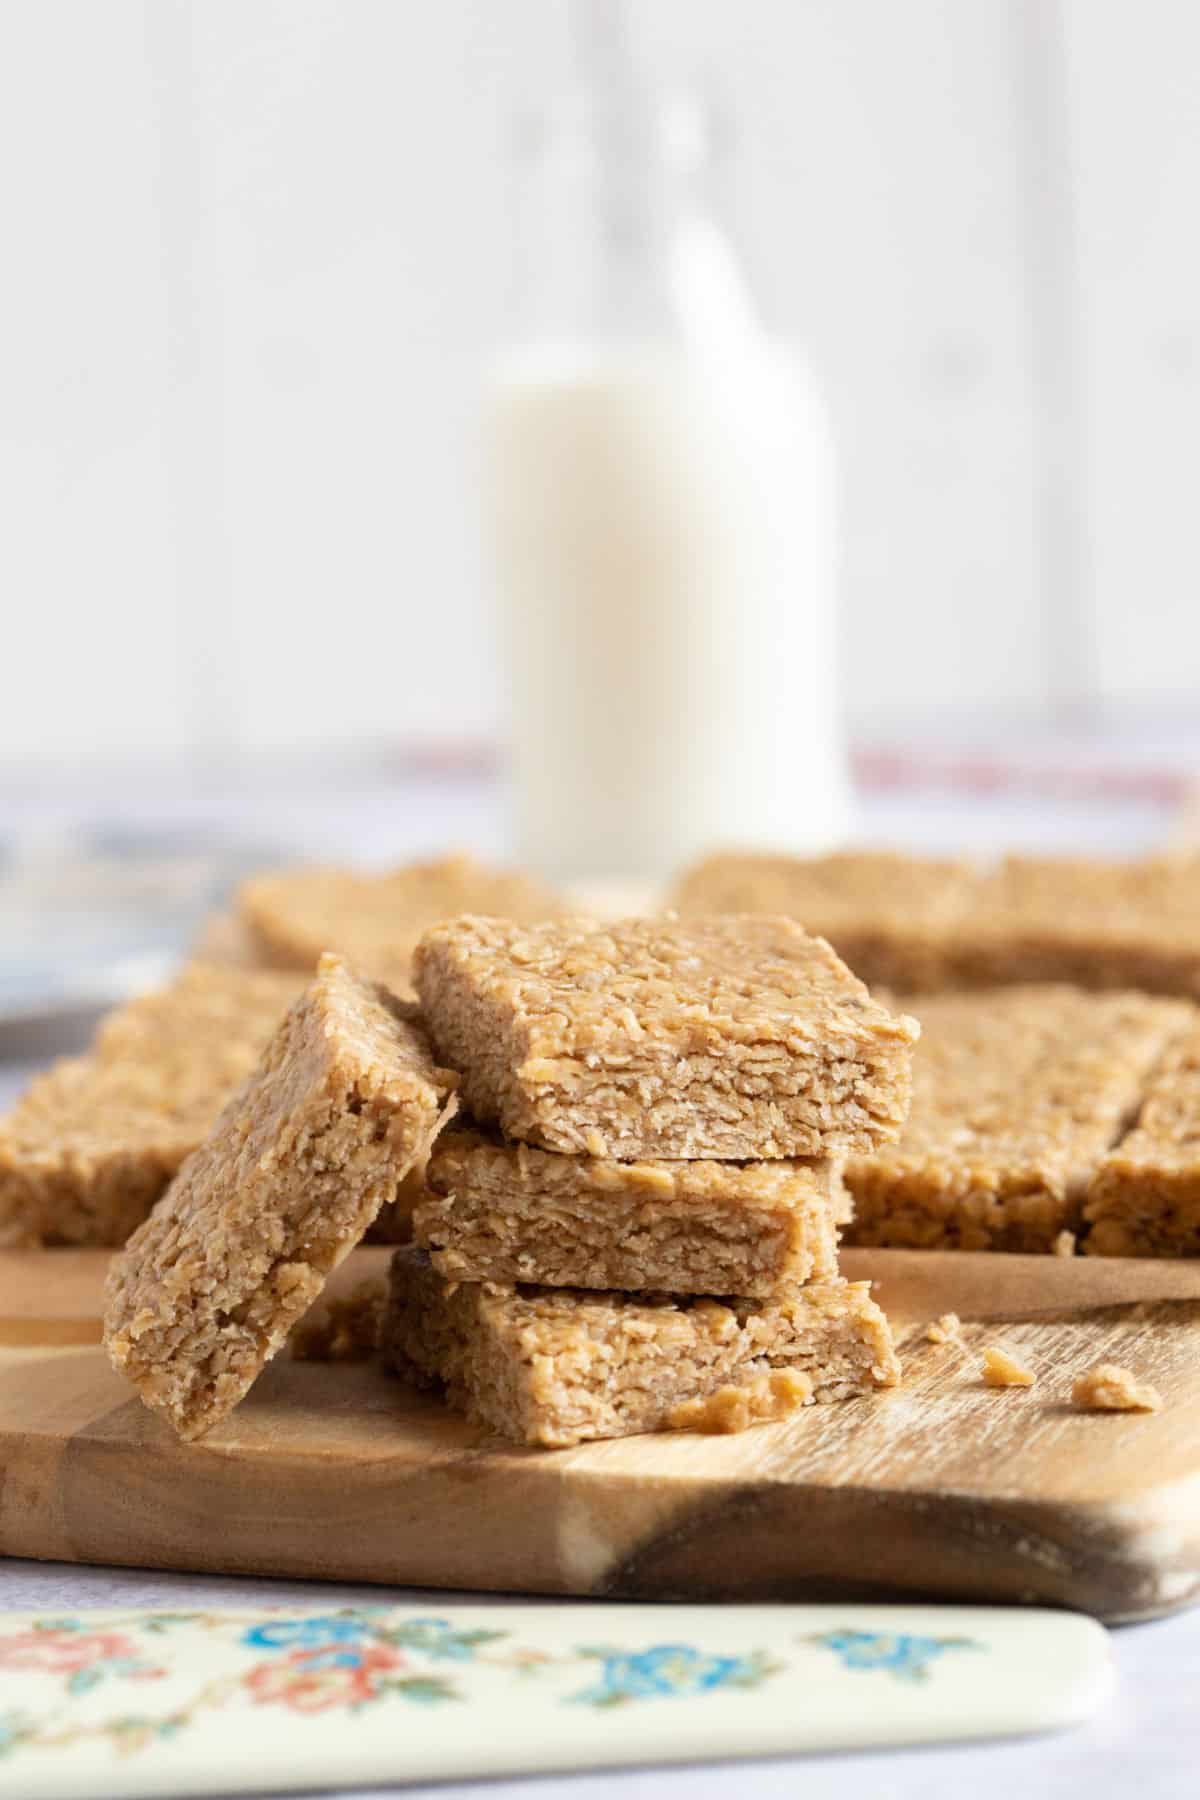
[
  {"x": 1144, "y": 1199},
  {"x": 512, "y": 1213},
  {"x": 885, "y": 914},
  {"x": 218, "y": 1016},
  {"x": 1017, "y": 1096},
  {"x": 93, "y": 1142},
  {"x": 928, "y": 925},
  {"x": 346, "y": 1100},
  {"x": 376, "y": 919},
  {"x": 554, "y": 1367},
  {"x": 1099, "y": 925},
  {"x": 725, "y": 1038},
  {"x": 224, "y": 941}
]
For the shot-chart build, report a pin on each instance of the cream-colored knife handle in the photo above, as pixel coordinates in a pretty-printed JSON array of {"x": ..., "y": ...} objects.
[{"x": 116, "y": 1704}]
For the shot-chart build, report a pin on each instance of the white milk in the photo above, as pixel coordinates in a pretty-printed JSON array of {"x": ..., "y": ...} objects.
[{"x": 664, "y": 544}]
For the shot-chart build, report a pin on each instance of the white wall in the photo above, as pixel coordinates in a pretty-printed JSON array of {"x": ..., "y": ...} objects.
[
  {"x": 1136, "y": 147},
  {"x": 251, "y": 263},
  {"x": 87, "y": 579}
]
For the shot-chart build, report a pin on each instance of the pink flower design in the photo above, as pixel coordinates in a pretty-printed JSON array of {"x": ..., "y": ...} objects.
[
  {"x": 313, "y": 1680},
  {"x": 70, "y": 1652}
]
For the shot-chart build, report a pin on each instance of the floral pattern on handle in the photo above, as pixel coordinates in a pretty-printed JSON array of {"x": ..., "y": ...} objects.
[
  {"x": 907, "y": 1657},
  {"x": 325, "y": 1662},
  {"x": 670, "y": 1669},
  {"x": 341, "y": 1662},
  {"x": 84, "y": 1658}
]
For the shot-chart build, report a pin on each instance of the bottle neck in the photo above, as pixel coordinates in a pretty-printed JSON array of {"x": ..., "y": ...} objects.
[{"x": 612, "y": 181}]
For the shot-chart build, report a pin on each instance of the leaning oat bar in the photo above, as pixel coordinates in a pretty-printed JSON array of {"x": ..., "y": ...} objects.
[
  {"x": 346, "y": 1100},
  {"x": 513, "y": 1213},
  {"x": 1145, "y": 1197},
  {"x": 1017, "y": 1095},
  {"x": 94, "y": 1140},
  {"x": 555, "y": 1366},
  {"x": 729, "y": 1038}
]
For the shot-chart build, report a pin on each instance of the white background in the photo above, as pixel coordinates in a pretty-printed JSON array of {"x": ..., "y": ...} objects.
[{"x": 252, "y": 260}]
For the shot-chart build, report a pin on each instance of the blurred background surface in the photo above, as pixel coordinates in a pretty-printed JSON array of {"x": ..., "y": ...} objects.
[{"x": 256, "y": 254}]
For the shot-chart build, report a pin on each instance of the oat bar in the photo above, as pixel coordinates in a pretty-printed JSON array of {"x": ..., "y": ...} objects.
[
  {"x": 224, "y": 942},
  {"x": 94, "y": 1140},
  {"x": 1017, "y": 1096},
  {"x": 376, "y": 919},
  {"x": 346, "y": 1100},
  {"x": 1145, "y": 1197},
  {"x": 218, "y": 1016},
  {"x": 555, "y": 1366},
  {"x": 885, "y": 914},
  {"x": 927, "y": 925},
  {"x": 1099, "y": 925},
  {"x": 729, "y": 1038},
  {"x": 513, "y": 1213}
]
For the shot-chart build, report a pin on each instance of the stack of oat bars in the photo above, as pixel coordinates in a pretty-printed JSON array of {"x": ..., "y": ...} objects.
[{"x": 634, "y": 1224}]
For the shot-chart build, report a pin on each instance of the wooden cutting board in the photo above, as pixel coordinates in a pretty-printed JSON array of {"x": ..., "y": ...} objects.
[{"x": 942, "y": 1489}]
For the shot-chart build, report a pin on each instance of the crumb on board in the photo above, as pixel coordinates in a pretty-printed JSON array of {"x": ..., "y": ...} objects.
[
  {"x": 1064, "y": 1244},
  {"x": 730, "y": 1409},
  {"x": 1107, "y": 1387},
  {"x": 345, "y": 1330},
  {"x": 1002, "y": 1370},
  {"x": 946, "y": 1330}
]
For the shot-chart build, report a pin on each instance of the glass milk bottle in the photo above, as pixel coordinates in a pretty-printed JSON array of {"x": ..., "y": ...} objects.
[{"x": 659, "y": 480}]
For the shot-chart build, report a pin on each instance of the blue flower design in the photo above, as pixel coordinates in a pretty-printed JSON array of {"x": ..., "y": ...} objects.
[
  {"x": 904, "y": 1655},
  {"x": 335, "y": 1634},
  {"x": 669, "y": 1670},
  {"x": 317, "y": 1632}
]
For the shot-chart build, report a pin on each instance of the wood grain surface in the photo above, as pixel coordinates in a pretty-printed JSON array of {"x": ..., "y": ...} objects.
[{"x": 942, "y": 1489}]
